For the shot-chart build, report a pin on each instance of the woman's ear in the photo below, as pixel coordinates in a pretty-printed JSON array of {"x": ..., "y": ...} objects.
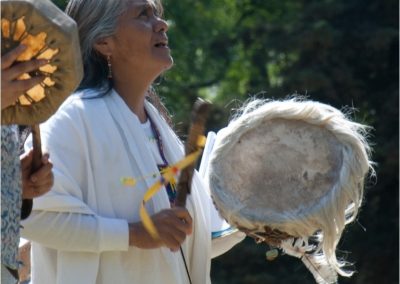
[{"x": 103, "y": 46}]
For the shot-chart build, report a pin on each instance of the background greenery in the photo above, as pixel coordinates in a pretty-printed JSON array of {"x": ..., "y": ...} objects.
[{"x": 344, "y": 53}]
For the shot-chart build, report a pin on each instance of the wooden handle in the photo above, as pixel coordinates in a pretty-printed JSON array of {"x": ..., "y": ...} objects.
[
  {"x": 200, "y": 112},
  {"x": 27, "y": 204},
  {"x": 37, "y": 148}
]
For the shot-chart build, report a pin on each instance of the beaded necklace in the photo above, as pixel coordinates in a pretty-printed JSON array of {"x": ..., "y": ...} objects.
[{"x": 170, "y": 187}]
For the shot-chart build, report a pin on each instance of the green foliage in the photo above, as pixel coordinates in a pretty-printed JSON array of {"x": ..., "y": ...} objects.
[
  {"x": 344, "y": 53},
  {"x": 60, "y": 3}
]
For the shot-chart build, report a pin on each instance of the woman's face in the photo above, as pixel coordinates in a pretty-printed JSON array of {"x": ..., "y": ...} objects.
[{"x": 140, "y": 41}]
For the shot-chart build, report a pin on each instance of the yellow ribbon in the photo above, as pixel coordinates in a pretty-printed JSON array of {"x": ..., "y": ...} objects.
[{"x": 167, "y": 175}]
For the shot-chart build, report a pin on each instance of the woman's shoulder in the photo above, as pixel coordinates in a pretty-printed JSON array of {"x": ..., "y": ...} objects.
[
  {"x": 78, "y": 108},
  {"x": 82, "y": 101}
]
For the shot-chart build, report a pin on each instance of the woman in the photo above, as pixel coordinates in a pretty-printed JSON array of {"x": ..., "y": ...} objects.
[
  {"x": 17, "y": 180},
  {"x": 88, "y": 229}
]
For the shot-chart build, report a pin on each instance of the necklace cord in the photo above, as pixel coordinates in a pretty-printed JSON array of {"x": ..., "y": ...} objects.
[{"x": 184, "y": 261}]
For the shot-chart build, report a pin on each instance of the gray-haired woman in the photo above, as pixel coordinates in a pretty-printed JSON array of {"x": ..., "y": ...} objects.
[{"x": 88, "y": 228}]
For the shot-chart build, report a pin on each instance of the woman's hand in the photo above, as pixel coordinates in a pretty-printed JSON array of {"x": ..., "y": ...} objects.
[
  {"x": 172, "y": 225},
  {"x": 11, "y": 88},
  {"x": 38, "y": 183}
]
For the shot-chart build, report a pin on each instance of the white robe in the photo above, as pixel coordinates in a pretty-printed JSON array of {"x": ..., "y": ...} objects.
[{"x": 79, "y": 230}]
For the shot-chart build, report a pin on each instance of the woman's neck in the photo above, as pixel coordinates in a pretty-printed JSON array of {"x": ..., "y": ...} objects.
[
  {"x": 133, "y": 88},
  {"x": 134, "y": 96}
]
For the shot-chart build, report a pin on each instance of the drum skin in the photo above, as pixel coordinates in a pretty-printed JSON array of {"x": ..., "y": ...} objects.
[
  {"x": 283, "y": 169},
  {"x": 49, "y": 34}
]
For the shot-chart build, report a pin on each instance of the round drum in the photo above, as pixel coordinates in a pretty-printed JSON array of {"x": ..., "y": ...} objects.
[
  {"x": 49, "y": 34},
  {"x": 291, "y": 173}
]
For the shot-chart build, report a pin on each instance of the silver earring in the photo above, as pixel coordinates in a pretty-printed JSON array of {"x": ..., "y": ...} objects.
[{"x": 109, "y": 67}]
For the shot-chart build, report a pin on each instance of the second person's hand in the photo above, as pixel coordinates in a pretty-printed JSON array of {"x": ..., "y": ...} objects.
[
  {"x": 11, "y": 88},
  {"x": 37, "y": 183}
]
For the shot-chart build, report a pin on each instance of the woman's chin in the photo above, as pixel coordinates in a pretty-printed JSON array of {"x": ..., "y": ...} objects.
[{"x": 168, "y": 63}]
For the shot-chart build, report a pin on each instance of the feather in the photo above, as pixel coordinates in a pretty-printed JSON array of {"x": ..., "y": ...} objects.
[
  {"x": 296, "y": 247},
  {"x": 319, "y": 267},
  {"x": 313, "y": 259}
]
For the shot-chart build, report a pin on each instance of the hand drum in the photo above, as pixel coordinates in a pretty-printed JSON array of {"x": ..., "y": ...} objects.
[
  {"x": 49, "y": 34},
  {"x": 291, "y": 173}
]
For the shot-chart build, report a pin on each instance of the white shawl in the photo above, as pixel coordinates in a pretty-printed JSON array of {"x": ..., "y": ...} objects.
[{"x": 92, "y": 144}]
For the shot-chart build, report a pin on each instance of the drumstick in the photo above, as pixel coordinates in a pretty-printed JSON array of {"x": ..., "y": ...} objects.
[
  {"x": 199, "y": 117},
  {"x": 27, "y": 204},
  {"x": 37, "y": 148}
]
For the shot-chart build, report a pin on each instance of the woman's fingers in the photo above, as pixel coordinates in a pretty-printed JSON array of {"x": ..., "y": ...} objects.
[
  {"x": 184, "y": 220},
  {"x": 21, "y": 86},
  {"x": 8, "y": 59},
  {"x": 11, "y": 86},
  {"x": 181, "y": 225},
  {"x": 44, "y": 187},
  {"x": 171, "y": 242},
  {"x": 11, "y": 90},
  {"x": 41, "y": 181},
  {"x": 14, "y": 71},
  {"x": 45, "y": 158},
  {"x": 177, "y": 232},
  {"x": 42, "y": 175},
  {"x": 36, "y": 189},
  {"x": 173, "y": 225}
]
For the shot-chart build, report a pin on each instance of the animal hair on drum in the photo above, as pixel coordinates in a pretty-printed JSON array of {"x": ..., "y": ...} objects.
[{"x": 291, "y": 173}]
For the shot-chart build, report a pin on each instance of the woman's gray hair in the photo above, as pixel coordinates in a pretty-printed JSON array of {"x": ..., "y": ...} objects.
[
  {"x": 98, "y": 19},
  {"x": 95, "y": 19}
]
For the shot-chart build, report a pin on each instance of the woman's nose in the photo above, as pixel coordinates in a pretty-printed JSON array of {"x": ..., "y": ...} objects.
[{"x": 161, "y": 25}]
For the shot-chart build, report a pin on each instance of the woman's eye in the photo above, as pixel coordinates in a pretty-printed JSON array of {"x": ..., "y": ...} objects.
[
  {"x": 148, "y": 12},
  {"x": 143, "y": 13}
]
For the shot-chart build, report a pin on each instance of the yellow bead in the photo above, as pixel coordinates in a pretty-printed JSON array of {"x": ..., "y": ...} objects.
[
  {"x": 127, "y": 181},
  {"x": 272, "y": 254}
]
